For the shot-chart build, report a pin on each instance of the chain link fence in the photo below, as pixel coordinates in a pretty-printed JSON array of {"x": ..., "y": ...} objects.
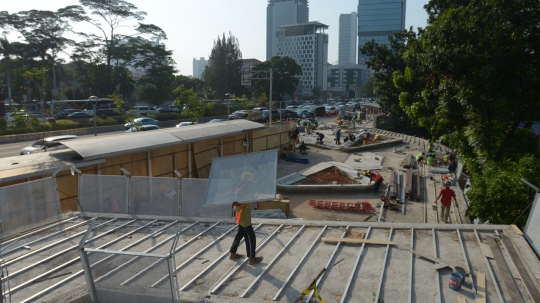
[
  {"x": 103, "y": 194},
  {"x": 193, "y": 191},
  {"x": 154, "y": 196},
  {"x": 28, "y": 203}
]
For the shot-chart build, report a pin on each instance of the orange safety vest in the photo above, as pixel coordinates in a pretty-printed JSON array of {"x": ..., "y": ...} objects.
[
  {"x": 377, "y": 176},
  {"x": 238, "y": 214}
]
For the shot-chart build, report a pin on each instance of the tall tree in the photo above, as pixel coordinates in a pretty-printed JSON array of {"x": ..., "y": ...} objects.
[
  {"x": 110, "y": 17},
  {"x": 284, "y": 71},
  {"x": 222, "y": 73},
  {"x": 366, "y": 89}
]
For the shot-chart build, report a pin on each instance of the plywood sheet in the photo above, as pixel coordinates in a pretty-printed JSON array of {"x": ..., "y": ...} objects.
[
  {"x": 181, "y": 160},
  {"x": 234, "y": 138},
  {"x": 162, "y": 165},
  {"x": 111, "y": 170},
  {"x": 259, "y": 144},
  {"x": 116, "y": 161},
  {"x": 486, "y": 250},
  {"x": 161, "y": 152},
  {"x": 139, "y": 156},
  {"x": 180, "y": 148},
  {"x": 139, "y": 168},
  {"x": 204, "y": 162},
  {"x": 284, "y": 206},
  {"x": 272, "y": 141},
  {"x": 481, "y": 291}
]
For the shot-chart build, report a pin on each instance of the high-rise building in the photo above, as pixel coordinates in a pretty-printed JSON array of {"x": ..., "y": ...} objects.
[
  {"x": 377, "y": 19},
  {"x": 348, "y": 33},
  {"x": 283, "y": 12},
  {"x": 344, "y": 79},
  {"x": 198, "y": 67},
  {"x": 307, "y": 44}
]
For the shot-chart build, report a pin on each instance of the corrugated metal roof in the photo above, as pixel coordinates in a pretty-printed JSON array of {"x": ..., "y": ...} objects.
[{"x": 125, "y": 143}]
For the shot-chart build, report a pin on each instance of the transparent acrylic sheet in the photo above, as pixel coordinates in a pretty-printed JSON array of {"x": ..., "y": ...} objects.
[
  {"x": 243, "y": 178},
  {"x": 192, "y": 205}
]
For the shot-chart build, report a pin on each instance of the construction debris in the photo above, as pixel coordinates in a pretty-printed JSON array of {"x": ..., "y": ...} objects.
[{"x": 358, "y": 207}]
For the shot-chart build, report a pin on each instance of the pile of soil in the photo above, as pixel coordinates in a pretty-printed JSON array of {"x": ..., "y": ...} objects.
[{"x": 326, "y": 177}]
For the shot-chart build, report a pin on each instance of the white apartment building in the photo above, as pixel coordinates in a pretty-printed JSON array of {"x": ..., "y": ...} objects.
[
  {"x": 348, "y": 33},
  {"x": 307, "y": 44},
  {"x": 198, "y": 67}
]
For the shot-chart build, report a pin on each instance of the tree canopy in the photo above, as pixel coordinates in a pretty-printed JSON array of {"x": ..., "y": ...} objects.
[{"x": 284, "y": 70}]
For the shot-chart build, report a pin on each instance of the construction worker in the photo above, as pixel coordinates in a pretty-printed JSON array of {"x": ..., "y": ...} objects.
[
  {"x": 308, "y": 127},
  {"x": 420, "y": 157},
  {"x": 447, "y": 194},
  {"x": 452, "y": 166},
  {"x": 431, "y": 158},
  {"x": 431, "y": 146},
  {"x": 353, "y": 121},
  {"x": 243, "y": 219},
  {"x": 320, "y": 137},
  {"x": 338, "y": 136},
  {"x": 374, "y": 177},
  {"x": 446, "y": 158},
  {"x": 303, "y": 148}
]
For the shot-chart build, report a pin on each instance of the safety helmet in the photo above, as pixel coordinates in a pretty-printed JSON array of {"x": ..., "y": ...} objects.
[
  {"x": 367, "y": 172},
  {"x": 447, "y": 184}
]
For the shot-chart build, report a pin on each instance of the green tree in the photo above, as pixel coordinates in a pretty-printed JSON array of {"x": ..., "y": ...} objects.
[
  {"x": 366, "y": 89},
  {"x": 222, "y": 74},
  {"x": 318, "y": 93},
  {"x": 284, "y": 72},
  {"x": 192, "y": 104},
  {"x": 498, "y": 196}
]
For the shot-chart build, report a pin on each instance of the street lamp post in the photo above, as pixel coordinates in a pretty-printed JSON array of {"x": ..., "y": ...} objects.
[
  {"x": 94, "y": 101},
  {"x": 228, "y": 102}
]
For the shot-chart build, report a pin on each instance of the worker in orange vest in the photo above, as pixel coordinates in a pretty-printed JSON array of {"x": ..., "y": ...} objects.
[{"x": 374, "y": 177}]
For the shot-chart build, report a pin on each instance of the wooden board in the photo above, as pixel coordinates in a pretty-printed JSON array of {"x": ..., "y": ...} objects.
[
  {"x": 507, "y": 277},
  {"x": 283, "y": 205},
  {"x": 486, "y": 250},
  {"x": 436, "y": 260},
  {"x": 358, "y": 241},
  {"x": 481, "y": 288},
  {"x": 516, "y": 229},
  {"x": 460, "y": 299}
]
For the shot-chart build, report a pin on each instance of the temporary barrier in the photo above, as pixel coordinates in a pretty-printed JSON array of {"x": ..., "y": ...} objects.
[
  {"x": 103, "y": 194},
  {"x": 154, "y": 196},
  {"x": 192, "y": 205}
]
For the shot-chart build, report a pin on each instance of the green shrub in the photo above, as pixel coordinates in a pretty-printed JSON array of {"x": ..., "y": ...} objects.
[
  {"x": 64, "y": 124},
  {"x": 3, "y": 124}
]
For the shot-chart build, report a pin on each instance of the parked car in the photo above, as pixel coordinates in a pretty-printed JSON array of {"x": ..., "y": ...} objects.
[
  {"x": 141, "y": 121},
  {"x": 318, "y": 110},
  {"x": 302, "y": 112},
  {"x": 10, "y": 117},
  {"x": 142, "y": 128},
  {"x": 260, "y": 109},
  {"x": 292, "y": 107},
  {"x": 216, "y": 120},
  {"x": 239, "y": 114},
  {"x": 64, "y": 113},
  {"x": 266, "y": 114},
  {"x": 287, "y": 113},
  {"x": 107, "y": 112},
  {"x": 78, "y": 116},
  {"x": 143, "y": 110},
  {"x": 185, "y": 124},
  {"x": 330, "y": 110},
  {"x": 162, "y": 110},
  {"x": 50, "y": 144}
]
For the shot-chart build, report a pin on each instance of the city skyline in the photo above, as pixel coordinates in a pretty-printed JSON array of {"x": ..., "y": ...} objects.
[{"x": 192, "y": 26}]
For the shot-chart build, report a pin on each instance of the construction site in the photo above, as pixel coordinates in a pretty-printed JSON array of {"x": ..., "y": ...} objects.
[{"x": 127, "y": 218}]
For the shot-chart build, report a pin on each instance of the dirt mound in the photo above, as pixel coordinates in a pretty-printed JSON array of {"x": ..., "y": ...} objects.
[{"x": 326, "y": 177}]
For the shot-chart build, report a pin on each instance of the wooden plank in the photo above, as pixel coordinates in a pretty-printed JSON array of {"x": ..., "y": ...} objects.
[
  {"x": 283, "y": 205},
  {"x": 481, "y": 288},
  {"x": 408, "y": 184},
  {"x": 516, "y": 229},
  {"x": 358, "y": 241},
  {"x": 507, "y": 277},
  {"x": 486, "y": 250},
  {"x": 522, "y": 271},
  {"x": 460, "y": 299},
  {"x": 436, "y": 260}
]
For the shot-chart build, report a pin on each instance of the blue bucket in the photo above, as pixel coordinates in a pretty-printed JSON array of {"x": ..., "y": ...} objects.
[
  {"x": 461, "y": 271},
  {"x": 455, "y": 281}
]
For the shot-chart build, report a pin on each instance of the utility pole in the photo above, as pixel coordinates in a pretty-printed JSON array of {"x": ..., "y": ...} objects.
[{"x": 248, "y": 75}]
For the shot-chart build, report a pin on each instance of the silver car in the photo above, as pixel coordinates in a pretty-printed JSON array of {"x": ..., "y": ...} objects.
[{"x": 48, "y": 144}]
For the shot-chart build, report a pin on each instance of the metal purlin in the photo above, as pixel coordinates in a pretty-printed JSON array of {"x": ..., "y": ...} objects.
[
  {"x": 490, "y": 270},
  {"x": 86, "y": 263},
  {"x": 148, "y": 250},
  {"x": 467, "y": 266},
  {"x": 384, "y": 265},
  {"x": 72, "y": 261},
  {"x": 411, "y": 268},
  {"x": 240, "y": 263},
  {"x": 437, "y": 278},
  {"x": 177, "y": 250},
  {"x": 327, "y": 265},
  {"x": 353, "y": 271},
  {"x": 211, "y": 265},
  {"x": 79, "y": 272},
  {"x": 243, "y": 295},
  {"x": 302, "y": 260},
  {"x": 172, "y": 264}
]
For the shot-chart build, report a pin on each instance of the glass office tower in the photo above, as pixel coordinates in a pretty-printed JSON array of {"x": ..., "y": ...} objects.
[
  {"x": 377, "y": 19},
  {"x": 348, "y": 33},
  {"x": 279, "y": 13}
]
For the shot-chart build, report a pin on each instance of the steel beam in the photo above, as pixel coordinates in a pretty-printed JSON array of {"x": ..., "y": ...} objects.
[
  {"x": 437, "y": 278},
  {"x": 302, "y": 260},
  {"x": 240, "y": 263},
  {"x": 489, "y": 269},
  {"x": 126, "y": 253},
  {"x": 353, "y": 271},
  {"x": 243, "y": 295},
  {"x": 39, "y": 230},
  {"x": 467, "y": 266},
  {"x": 384, "y": 265}
]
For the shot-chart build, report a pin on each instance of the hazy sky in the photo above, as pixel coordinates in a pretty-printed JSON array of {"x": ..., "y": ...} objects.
[{"x": 193, "y": 25}]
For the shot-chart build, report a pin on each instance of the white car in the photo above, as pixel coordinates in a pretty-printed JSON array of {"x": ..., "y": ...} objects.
[
  {"x": 142, "y": 128},
  {"x": 51, "y": 143},
  {"x": 292, "y": 107},
  {"x": 330, "y": 110},
  {"x": 10, "y": 117},
  {"x": 185, "y": 124}
]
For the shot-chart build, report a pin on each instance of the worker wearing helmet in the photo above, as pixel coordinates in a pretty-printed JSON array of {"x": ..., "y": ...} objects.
[
  {"x": 374, "y": 177},
  {"x": 446, "y": 201},
  {"x": 431, "y": 146},
  {"x": 420, "y": 157},
  {"x": 446, "y": 158}
]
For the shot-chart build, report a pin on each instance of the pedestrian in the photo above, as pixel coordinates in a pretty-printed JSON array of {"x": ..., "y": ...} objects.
[
  {"x": 374, "y": 177},
  {"x": 243, "y": 219},
  {"x": 353, "y": 121},
  {"x": 447, "y": 194},
  {"x": 338, "y": 136}
]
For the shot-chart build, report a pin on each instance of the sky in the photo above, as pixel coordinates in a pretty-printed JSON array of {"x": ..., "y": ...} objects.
[{"x": 192, "y": 26}]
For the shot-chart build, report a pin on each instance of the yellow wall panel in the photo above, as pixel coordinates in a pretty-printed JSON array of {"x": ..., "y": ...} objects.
[
  {"x": 139, "y": 156},
  {"x": 181, "y": 160},
  {"x": 111, "y": 170},
  {"x": 116, "y": 161},
  {"x": 70, "y": 204},
  {"x": 161, "y": 152},
  {"x": 139, "y": 168},
  {"x": 179, "y": 148},
  {"x": 162, "y": 165}
]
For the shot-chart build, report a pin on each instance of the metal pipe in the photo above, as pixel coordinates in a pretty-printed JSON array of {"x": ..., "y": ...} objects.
[
  {"x": 210, "y": 266},
  {"x": 466, "y": 261},
  {"x": 411, "y": 267},
  {"x": 353, "y": 271},
  {"x": 327, "y": 265},
  {"x": 384, "y": 265},
  {"x": 82, "y": 271},
  {"x": 189, "y": 160},
  {"x": 239, "y": 264},
  {"x": 489, "y": 269},
  {"x": 243, "y": 295},
  {"x": 127, "y": 253},
  {"x": 302, "y": 260},
  {"x": 77, "y": 259},
  {"x": 380, "y": 213},
  {"x": 437, "y": 278},
  {"x": 190, "y": 258},
  {"x": 146, "y": 251}
]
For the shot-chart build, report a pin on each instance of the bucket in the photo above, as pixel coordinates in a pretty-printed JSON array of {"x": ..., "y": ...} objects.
[
  {"x": 461, "y": 271},
  {"x": 455, "y": 281}
]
